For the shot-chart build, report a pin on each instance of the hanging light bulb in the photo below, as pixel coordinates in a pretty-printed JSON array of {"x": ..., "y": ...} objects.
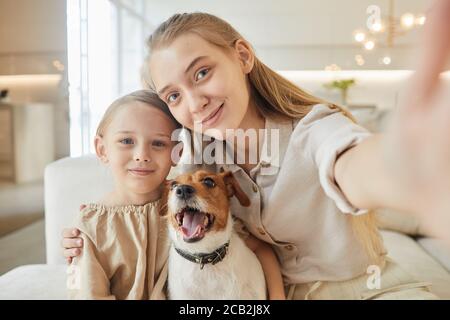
[
  {"x": 386, "y": 60},
  {"x": 377, "y": 27},
  {"x": 407, "y": 20},
  {"x": 391, "y": 28},
  {"x": 359, "y": 60},
  {"x": 369, "y": 45},
  {"x": 359, "y": 36},
  {"x": 332, "y": 67}
]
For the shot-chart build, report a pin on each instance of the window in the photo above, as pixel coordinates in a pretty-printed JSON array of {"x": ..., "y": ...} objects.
[{"x": 106, "y": 48}]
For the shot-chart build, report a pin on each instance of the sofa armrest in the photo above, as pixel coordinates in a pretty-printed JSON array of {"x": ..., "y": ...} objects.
[
  {"x": 418, "y": 262},
  {"x": 68, "y": 183}
]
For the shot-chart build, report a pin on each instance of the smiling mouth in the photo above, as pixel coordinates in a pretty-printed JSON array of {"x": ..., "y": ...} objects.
[
  {"x": 194, "y": 223},
  {"x": 211, "y": 116},
  {"x": 141, "y": 172}
]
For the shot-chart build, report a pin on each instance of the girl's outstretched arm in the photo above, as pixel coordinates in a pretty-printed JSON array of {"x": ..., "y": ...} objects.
[{"x": 408, "y": 168}]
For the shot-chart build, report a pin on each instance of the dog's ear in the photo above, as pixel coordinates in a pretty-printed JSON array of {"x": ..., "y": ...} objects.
[
  {"x": 233, "y": 188},
  {"x": 164, "y": 197}
]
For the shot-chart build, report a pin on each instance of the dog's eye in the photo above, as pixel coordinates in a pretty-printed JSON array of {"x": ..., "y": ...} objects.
[
  {"x": 209, "y": 182},
  {"x": 173, "y": 184}
]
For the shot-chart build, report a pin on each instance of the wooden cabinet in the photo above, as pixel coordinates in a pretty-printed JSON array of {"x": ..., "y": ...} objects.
[{"x": 26, "y": 141}]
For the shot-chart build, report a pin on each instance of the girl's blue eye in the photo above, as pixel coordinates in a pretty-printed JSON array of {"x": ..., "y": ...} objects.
[
  {"x": 201, "y": 74},
  {"x": 172, "y": 97},
  {"x": 127, "y": 141}
]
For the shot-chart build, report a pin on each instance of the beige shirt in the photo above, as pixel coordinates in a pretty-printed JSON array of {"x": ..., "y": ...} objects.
[
  {"x": 125, "y": 253},
  {"x": 296, "y": 204}
]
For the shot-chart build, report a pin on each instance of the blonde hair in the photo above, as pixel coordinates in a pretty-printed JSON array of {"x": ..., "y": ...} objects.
[
  {"x": 148, "y": 97},
  {"x": 274, "y": 95}
]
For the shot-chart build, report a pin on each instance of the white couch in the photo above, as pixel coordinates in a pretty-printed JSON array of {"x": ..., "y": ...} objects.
[{"x": 72, "y": 181}]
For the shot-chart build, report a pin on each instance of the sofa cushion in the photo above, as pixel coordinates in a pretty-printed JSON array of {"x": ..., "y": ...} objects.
[
  {"x": 415, "y": 260},
  {"x": 398, "y": 221},
  {"x": 68, "y": 183},
  {"x": 34, "y": 282},
  {"x": 48, "y": 282},
  {"x": 437, "y": 248}
]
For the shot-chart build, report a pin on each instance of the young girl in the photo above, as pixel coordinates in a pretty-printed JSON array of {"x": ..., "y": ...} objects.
[
  {"x": 314, "y": 205},
  {"x": 125, "y": 241}
]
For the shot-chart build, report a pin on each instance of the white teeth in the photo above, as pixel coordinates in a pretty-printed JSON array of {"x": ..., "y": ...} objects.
[{"x": 205, "y": 221}]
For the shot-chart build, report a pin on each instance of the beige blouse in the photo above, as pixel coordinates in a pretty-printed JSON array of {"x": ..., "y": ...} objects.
[
  {"x": 296, "y": 204},
  {"x": 125, "y": 253}
]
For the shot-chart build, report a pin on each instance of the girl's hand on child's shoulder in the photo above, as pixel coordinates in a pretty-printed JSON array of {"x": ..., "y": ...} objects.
[{"x": 71, "y": 242}]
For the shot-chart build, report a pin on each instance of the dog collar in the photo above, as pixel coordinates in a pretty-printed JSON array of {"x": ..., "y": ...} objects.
[{"x": 205, "y": 258}]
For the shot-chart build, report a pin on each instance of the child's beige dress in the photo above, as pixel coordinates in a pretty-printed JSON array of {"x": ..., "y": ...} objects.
[{"x": 124, "y": 255}]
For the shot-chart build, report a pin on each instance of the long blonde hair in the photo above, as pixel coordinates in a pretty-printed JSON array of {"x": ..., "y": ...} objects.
[{"x": 274, "y": 95}]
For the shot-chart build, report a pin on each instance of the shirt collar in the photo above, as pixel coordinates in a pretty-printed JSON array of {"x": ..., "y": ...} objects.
[{"x": 275, "y": 140}]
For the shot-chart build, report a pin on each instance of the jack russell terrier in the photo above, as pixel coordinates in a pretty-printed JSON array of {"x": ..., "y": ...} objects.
[{"x": 208, "y": 259}]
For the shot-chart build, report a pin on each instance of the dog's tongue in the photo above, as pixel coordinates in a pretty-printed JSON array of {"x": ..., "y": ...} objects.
[{"x": 192, "y": 223}]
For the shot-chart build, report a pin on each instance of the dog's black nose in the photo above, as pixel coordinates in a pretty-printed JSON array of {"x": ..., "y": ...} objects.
[{"x": 184, "y": 191}]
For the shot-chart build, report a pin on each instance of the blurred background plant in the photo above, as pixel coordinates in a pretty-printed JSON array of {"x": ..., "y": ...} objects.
[{"x": 343, "y": 86}]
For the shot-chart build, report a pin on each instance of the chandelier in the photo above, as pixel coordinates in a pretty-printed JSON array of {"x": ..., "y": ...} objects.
[{"x": 385, "y": 29}]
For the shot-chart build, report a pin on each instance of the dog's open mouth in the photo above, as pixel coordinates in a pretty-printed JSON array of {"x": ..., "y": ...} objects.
[{"x": 194, "y": 223}]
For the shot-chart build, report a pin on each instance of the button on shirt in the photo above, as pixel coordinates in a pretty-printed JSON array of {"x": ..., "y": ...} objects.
[{"x": 296, "y": 204}]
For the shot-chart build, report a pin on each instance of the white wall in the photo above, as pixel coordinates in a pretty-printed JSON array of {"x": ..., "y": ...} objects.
[
  {"x": 300, "y": 34},
  {"x": 32, "y": 38}
]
